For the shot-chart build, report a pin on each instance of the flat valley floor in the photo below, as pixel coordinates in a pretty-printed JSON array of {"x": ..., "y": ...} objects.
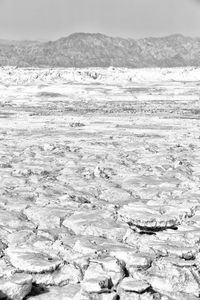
[{"x": 100, "y": 184}]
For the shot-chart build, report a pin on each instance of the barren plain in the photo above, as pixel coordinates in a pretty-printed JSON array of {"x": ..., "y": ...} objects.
[{"x": 100, "y": 184}]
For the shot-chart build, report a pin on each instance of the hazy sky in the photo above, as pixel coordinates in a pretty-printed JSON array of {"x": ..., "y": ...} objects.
[{"x": 51, "y": 19}]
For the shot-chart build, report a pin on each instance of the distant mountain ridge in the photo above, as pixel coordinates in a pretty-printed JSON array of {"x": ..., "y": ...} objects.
[{"x": 98, "y": 50}]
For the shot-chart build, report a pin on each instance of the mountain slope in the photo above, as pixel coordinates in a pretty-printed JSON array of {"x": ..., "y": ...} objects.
[{"x": 98, "y": 50}]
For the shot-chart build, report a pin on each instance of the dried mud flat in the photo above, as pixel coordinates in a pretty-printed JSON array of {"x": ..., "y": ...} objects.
[{"x": 99, "y": 184}]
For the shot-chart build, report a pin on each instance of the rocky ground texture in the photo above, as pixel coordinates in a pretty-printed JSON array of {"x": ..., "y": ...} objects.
[{"x": 99, "y": 184}]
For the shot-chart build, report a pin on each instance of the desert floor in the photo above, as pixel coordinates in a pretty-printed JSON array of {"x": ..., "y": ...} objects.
[{"x": 99, "y": 184}]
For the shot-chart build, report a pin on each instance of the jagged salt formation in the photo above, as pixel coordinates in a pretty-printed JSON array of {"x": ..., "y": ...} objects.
[{"x": 99, "y": 184}]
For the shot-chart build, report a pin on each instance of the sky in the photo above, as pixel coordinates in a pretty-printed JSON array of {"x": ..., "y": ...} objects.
[{"x": 52, "y": 19}]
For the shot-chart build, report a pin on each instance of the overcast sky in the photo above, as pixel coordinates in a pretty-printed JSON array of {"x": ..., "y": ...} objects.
[{"x": 51, "y": 19}]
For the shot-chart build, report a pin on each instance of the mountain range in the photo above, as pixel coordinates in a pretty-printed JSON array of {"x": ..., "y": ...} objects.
[{"x": 98, "y": 50}]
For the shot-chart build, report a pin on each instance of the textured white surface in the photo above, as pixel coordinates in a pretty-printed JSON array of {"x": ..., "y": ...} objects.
[{"x": 99, "y": 177}]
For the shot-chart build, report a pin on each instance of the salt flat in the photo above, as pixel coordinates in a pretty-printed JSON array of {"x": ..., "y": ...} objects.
[{"x": 99, "y": 184}]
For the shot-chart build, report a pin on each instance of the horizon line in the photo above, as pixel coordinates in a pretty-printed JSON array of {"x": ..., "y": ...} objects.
[{"x": 95, "y": 33}]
